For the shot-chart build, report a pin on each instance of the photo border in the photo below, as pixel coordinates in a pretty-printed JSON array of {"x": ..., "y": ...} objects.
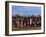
[{"x": 7, "y": 17}]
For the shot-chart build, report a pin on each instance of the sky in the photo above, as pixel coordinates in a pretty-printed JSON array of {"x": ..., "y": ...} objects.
[{"x": 26, "y": 10}]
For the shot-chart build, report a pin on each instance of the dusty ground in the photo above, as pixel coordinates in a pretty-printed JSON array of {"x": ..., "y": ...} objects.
[{"x": 26, "y": 28}]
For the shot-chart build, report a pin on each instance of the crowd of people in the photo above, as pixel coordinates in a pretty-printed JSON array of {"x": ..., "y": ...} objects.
[{"x": 20, "y": 21}]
